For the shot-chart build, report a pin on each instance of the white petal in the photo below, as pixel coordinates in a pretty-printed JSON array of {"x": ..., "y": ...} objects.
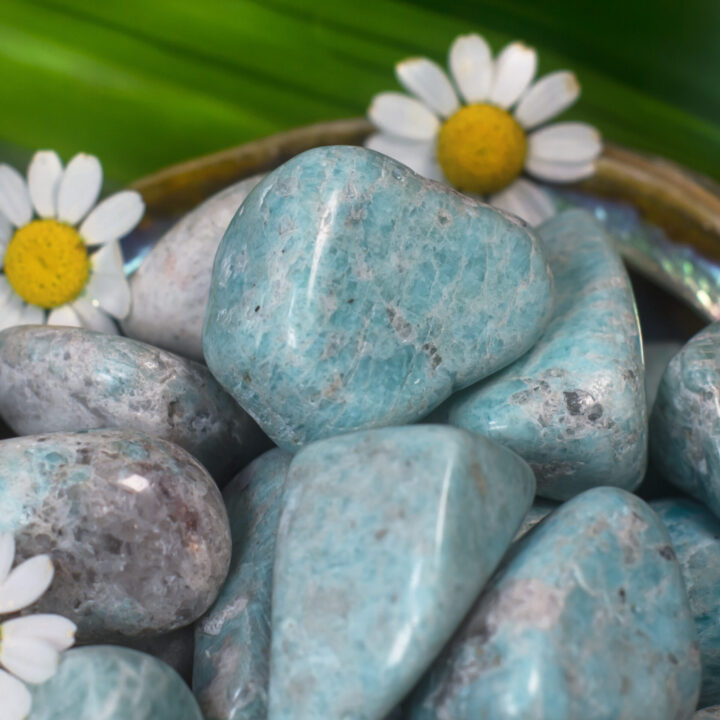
[
  {"x": 417, "y": 155},
  {"x": 14, "y": 311},
  {"x": 526, "y": 200},
  {"x": 32, "y": 660},
  {"x": 25, "y": 584},
  {"x": 93, "y": 317},
  {"x": 16, "y": 698},
  {"x": 558, "y": 171},
  {"x": 427, "y": 81},
  {"x": 113, "y": 218},
  {"x": 55, "y": 630},
  {"x": 108, "y": 284},
  {"x": 14, "y": 196},
  {"x": 565, "y": 142},
  {"x": 7, "y": 553},
  {"x": 79, "y": 188},
  {"x": 514, "y": 70},
  {"x": 472, "y": 67},
  {"x": 547, "y": 98},
  {"x": 6, "y": 232},
  {"x": 44, "y": 176},
  {"x": 64, "y": 316},
  {"x": 401, "y": 115}
]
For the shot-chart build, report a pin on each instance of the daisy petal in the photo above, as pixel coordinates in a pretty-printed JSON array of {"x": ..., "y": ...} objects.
[
  {"x": 401, "y": 115},
  {"x": 427, "y": 81},
  {"x": 14, "y": 196},
  {"x": 13, "y": 311},
  {"x": 79, "y": 188},
  {"x": 113, "y": 218},
  {"x": 55, "y": 630},
  {"x": 16, "y": 698},
  {"x": 471, "y": 66},
  {"x": 44, "y": 176},
  {"x": 417, "y": 155},
  {"x": 565, "y": 142},
  {"x": 32, "y": 660},
  {"x": 64, "y": 316},
  {"x": 6, "y": 232},
  {"x": 526, "y": 200},
  {"x": 108, "y": 284},
  {"x": 93, "y": 317},
  {"x": 7, "y": 553},
  {"x": 25, "y": 584},
  {"x": 559, "y": 171},
  {"x": 547, "y": 98},
  {"x": 514, "y": 70}
]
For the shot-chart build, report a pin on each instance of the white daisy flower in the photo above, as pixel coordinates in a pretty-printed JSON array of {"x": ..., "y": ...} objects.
[
  {"x": 30, "y": 646},
  {"x": 60, "y": 259},
  {"x": 475, "y": 134}
]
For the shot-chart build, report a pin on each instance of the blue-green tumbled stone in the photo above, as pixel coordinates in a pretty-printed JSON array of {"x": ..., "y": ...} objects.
[
  {"x": 685, "y": 421},
  {"x": 574, "y": 406},
  {"x": 350, "y": 293},
  {"x": 232, "y": 642},
  {"x": 587, "y": 619},
  {"x": 105, "y": 682},
  {"x": 385, "y": 539},
  {"x": 695, "y": 535}
]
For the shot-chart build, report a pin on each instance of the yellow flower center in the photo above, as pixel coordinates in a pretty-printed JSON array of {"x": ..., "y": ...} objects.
[
  {"x": 47, "y": 264},
  {"x": 481, "y": 149}
]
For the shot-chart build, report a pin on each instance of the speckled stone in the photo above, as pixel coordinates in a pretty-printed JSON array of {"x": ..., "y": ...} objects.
[
  {"x": 105, "y": 682},
  {"x": 68, "y": 379},
  {"x": 587, "y": 619},
  {"x": 137, "y": 529},
  {"x": 574, "y": 406},
  {"x": 385, "y": 539},
  {"x": 685, "y": 422},
  {"x": 695, "y": 535},
  {"x": 535, "y": 515},
  {"x": 232, "y": 650},
  {"x": 709, "y": 713},
  {"x": 171, "y": 286},
  {"x": 350, "y": 293}
]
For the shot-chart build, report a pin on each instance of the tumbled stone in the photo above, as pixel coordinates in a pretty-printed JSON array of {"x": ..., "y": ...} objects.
[
  {"x": 350, "y": 293},
  {"x": 535, "y": 515},
  {"x": 695, "y": 535},
  {"x": 385, "y": 539},
  {"x": 136, "y": 528},
  {"x": 574, "y": 406},
  {"x": 232, "y": 650},
  {"x": 587, "y": 619},
  {"x": 171, "y": 286},
  {"x": 175, "y": 649},
  {"x": 104, "y": 682},
  {"x": 685, "y": 421},
  {"x": 70, "y": 379},
  {"x": 709, "y": 713}
]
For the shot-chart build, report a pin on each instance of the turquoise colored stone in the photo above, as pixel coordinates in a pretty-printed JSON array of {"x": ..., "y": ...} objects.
[
  {"x": 588, "y": 618},
  {"x": 106, "y": 682},
  {"x": 350, "y": 293},
  {"x": 574, "y": 406},
  {"x": 695, "y": 535},
  {"x": 535, "y": 515},
  {"x": 685, "y": 421},
  {"x": 385, "y": 539},
  {"x": 232, "y": 642}
]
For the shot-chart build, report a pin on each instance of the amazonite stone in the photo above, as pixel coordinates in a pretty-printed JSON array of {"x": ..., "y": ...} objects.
[
  {"x": 385, "y": 539},
  {"x": 695, "y": 535},
  {"x": 104, "y": 682},
  {"x": 136, "y": 528},
  {"x": 685, "y": 422},
  {"x": 232, "y": 649},
  {"x": 574, "y": 406},
  {"x": 587, "y": 619},
  {"x": 69, "y": 379},
  {"x": 350, "y": 293}
]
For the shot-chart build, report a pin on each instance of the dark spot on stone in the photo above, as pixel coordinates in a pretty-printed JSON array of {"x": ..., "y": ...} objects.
[
  {"x": 573, "y": 403},
  {"x": 622, "y": 595},
  {"x": 257, "y": 308},
  {"x": 673, "y": 659},
  {"x": 443, "y": 217},
  {"x": 351, "y": 301},
  {"x": 667, "y": 552},
  {"x": 595, "y": 412},
  {"x": 246, "y": 377},
  {"x": 380, "y": 534},
  {"x": 66, "y": 355}
]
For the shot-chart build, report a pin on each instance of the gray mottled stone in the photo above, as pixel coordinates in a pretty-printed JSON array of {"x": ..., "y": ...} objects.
[
  {"x": 709, "y": 713},
  {"x": 136, "y": 528},
  {"x": 170, "y": 288},
  {"x": 175, "y": 649},
  {"x": 104, "y": 682},
  {"x": 68, "y": 379},
  {"x": 232, "y": 656}
]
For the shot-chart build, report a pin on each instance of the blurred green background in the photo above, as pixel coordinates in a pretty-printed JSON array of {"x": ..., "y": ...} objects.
[{"x": 146, "y": 83}]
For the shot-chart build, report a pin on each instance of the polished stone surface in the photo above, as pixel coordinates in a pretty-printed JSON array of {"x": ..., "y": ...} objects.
[
  {"x": 68, "y": 379},
  {"x": 170, "y": 288},
  {"x": 136, "y": 528},
  {"x": 587, "y": 618},
  {"x": 685, "y": 422},
  {"x": 350, "y": 293},
  {"x": 386, "y": 538},
  {"x": 695, "y": 535},
  {"x": 574, "y": 406},
  {"x": 232, "y": 650},
  {"x": 104, "y": 682}
]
